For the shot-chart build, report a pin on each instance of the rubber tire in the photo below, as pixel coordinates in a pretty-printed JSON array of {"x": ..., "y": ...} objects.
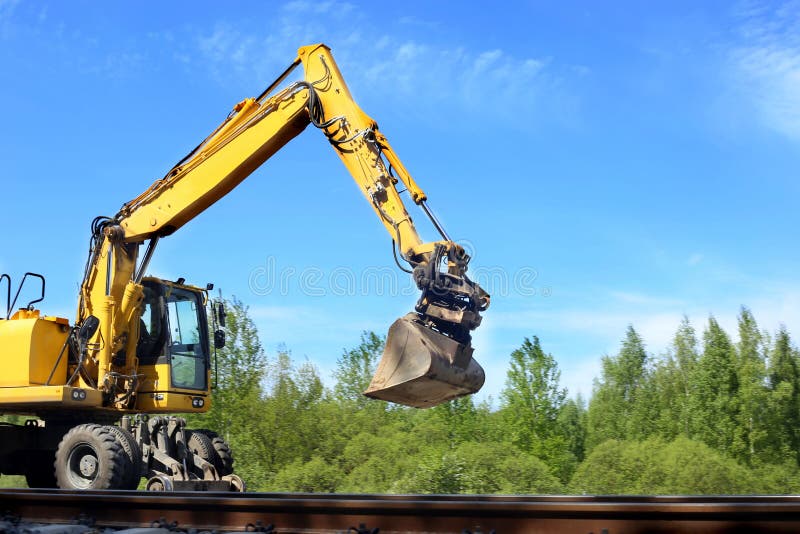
[
  {"x": 134, "y": 454},
  {"x": 224, "y": 458},
  {"x": 40, "y": 471},
  {"x": 199, "y": 444},
  {"x": 90, "y": 440}
]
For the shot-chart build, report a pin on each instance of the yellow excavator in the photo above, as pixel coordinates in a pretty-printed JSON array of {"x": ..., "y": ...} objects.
[{"x": 102, "y": 389}]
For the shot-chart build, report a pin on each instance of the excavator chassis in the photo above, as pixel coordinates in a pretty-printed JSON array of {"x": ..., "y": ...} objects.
[{"x": 70, "y": 454}]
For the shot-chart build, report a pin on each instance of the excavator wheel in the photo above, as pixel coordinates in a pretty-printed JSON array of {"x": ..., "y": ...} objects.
[
  {"x": 224, "y": 456},
  {"x": 134, "y": 455},
  {"x": 90, "y": 457},
  {"x": 199, "y": 444}
]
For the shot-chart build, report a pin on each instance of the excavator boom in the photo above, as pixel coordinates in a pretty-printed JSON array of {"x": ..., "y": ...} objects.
[{"x": 428, "y": 353}]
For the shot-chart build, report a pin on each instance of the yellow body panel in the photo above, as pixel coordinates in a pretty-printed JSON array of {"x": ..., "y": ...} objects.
[
  {"x": 30, "y": 351},
  {"x": 35, "y": 398},
  {"x": 158, "y": 395},
  {"x": 171, "y": 402},
  {"x": 156, "y": 377}
]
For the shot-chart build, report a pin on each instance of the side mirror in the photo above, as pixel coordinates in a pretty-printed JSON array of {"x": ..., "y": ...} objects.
[
  {"x": 219, "y": 339},
  {"x": 88, "y": 329},
  {"x": 221, "y": 313}
]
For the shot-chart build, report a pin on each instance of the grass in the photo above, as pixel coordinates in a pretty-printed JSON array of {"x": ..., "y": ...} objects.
[{"x": 13, "y": 481}]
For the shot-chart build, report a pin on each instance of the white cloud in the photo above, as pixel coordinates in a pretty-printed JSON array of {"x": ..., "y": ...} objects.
[
  {"x": 218, "y": 46},
  {"x": 492, "y": 358},
  {"x": 492, "y": 81},
  {"x": 377, "y": 61},
  {"x": 7, "y": 8},
  {"x": 767, "y": 64},
  {"x": 319, "y": 8},
  {"x": 578, "y": 375},
  {"x": 632, "y": 297},
  {"x": 411, "y": 20},
  {"x": 603, "y": 325},
  {"x": 292, "y": 325},
  {"x": 310, "y": 334},
  {"x": 694, "y": 259}
]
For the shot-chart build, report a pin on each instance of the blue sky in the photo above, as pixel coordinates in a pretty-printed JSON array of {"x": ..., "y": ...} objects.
[{"x": 606, "y": 165}]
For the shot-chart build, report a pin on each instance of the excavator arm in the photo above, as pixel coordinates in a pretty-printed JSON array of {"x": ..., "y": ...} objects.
[{"x": 428, "y": 355}]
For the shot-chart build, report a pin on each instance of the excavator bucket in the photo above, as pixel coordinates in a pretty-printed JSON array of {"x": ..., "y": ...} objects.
[{"x": 423, "y": 368}]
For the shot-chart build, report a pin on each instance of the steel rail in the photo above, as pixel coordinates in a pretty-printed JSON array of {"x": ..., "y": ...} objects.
[{"x": 325, "y": 513}]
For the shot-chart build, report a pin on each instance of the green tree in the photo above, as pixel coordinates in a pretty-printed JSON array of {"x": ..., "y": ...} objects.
[
  {"x": 715, "y": 405},
  {"x": 751, "y": 425},
  {"x": 784, "y": 398},
  {"x": 622, "y": 405},
  {"x": 726, "y": 420},
  {"x": 460, "y": 418},
  {"x": 355, "y": 368},
  {"x": 781, "y": 478},
  {"x": 532, "y": 397},
  {"x": 478, "y": 468},
  {"x": 668, "y": 397},
  {"x": 290, "y": 427},
  {"x": 350, "y": 412},
  {"x": 674, "y": 383},
  {"x": 313, "y": 476},
  {"x": 572, "y": 427},
  {"x": 532, "y": 402},
  {"x": 498, "y": 468},
  {"x": 654, "y": 466},
  {"x": 374, "y": 463}
]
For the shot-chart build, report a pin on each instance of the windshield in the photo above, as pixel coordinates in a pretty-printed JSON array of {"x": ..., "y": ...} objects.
[{"x": 187, "y": 355}]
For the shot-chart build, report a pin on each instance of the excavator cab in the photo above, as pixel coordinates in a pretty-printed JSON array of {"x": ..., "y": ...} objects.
[{"x": 173, "y": 350}]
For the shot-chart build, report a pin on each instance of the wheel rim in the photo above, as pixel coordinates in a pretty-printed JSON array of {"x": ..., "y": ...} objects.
[
  {"x": 158, "y": 483},
  {"x": 83, "y": 465}
]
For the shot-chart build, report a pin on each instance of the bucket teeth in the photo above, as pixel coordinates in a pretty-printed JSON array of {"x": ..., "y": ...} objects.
[{"x": 422, "y": 368}]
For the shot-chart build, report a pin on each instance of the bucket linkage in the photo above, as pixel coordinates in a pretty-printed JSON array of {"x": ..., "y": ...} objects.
[{"x": 428, "y": 359}]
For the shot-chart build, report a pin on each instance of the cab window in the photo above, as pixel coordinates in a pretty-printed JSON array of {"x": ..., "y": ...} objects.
[
  {"x": 188, "y": 361},
  {"x": 151, "y": 331}
]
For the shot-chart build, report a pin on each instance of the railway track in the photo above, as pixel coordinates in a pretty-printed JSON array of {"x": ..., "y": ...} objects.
[{"x": 67, "y": 512}]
